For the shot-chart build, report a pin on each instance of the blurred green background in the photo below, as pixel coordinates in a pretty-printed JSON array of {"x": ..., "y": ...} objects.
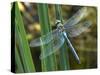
[{"x": 85, "y": 43}]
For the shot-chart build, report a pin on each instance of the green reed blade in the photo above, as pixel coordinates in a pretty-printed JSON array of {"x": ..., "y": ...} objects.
[
  {"x": 24, "y": 49},
  {"x": 18, "y": 61},
  {"x": 49, "y": 63},
  {"x": 63, "y": 58}
]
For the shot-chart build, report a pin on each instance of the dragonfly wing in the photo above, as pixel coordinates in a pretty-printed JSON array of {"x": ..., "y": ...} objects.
[
  {"x": 76, "y": 17},
  {"x": 78, "y": 29},
  {"x": 56, "y": 43},
  {"x": 47, "y": 39}
]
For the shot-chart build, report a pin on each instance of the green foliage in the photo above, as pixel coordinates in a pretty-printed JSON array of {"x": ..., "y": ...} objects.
[
  {"x": 18, "y": 62},
  {"x": 63, "y": 57},
  {"x": 49, "y": 63},
  {"x": 24, "y": 49}
]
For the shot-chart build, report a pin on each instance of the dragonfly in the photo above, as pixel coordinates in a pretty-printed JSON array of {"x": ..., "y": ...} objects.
[{"x": 72, "y": 28}]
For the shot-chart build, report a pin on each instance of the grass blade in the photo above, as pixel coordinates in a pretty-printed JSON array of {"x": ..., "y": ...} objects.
[
  {"x": 48, "y": 64},
  {"x": 18, "y": 62},
  {"x": 63, "y": 58},
  {"x": 22, "y": 42}
]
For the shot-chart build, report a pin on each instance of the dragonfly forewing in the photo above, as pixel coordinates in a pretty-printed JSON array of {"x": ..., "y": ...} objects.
[
  {"x": 47, "y": 39},
  {"x": 79, "y": 15}
]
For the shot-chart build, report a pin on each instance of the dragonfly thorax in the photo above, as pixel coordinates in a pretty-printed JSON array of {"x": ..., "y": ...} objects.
[{"x": 60, "y": 26}]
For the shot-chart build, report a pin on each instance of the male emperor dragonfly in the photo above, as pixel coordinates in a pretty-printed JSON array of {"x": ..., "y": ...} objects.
[{"x": 72, "y": 28}]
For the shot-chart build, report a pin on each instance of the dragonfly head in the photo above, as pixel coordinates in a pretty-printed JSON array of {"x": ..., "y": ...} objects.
[{"x": 59, "y": 25}]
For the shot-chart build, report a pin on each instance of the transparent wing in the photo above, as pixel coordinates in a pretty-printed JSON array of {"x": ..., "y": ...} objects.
[
  {"x": 56, "y": 43},
  {"x": 76, "y": 17},
  {"x": 78, "y": 29},
  {"x": 55, "y": 38},
  {"x": 47, "y": 39}
]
